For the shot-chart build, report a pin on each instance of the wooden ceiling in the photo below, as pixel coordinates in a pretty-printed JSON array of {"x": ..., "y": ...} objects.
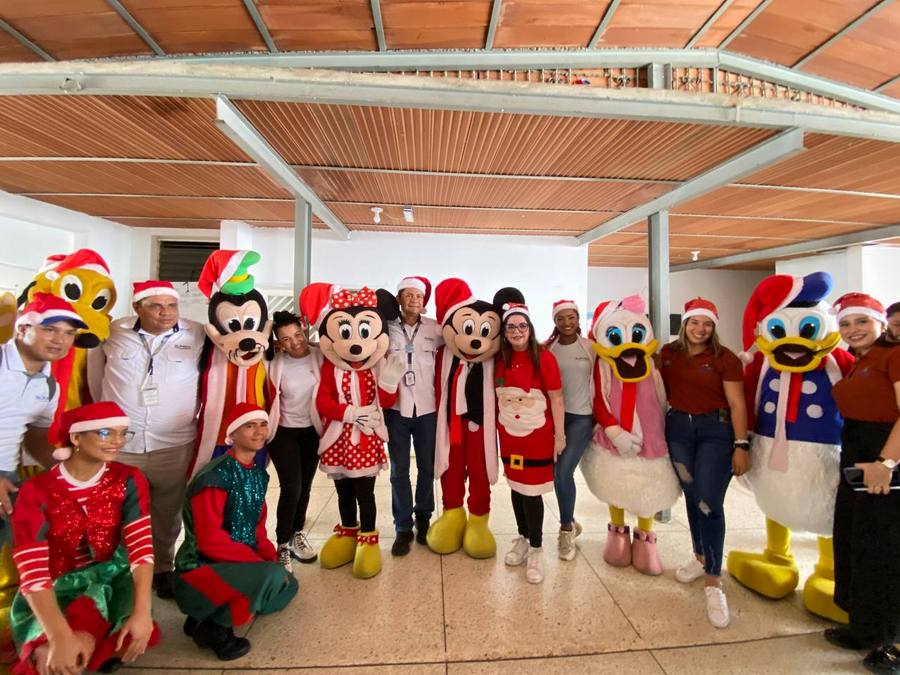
[{"x": 161, "y": 162}]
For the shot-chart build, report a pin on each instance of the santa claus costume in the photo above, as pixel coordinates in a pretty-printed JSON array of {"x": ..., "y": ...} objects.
[
  {"x": 627, "y": 465},
  {"x": 526, "y": 392},
  {"x": 83, "y": 541}
]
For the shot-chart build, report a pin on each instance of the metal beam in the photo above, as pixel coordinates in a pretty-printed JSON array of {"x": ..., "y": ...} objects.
[
  {"x": 839, "y": 241},
  {"x": 604, "y": 23},
  {"x": 496, "y": 10},
  {"x": 887, "y": 83},
  {"x": 695, "y": 38},
  {"x": 136, "y": 26},
  {"x": 658, "y": 269},
  {"x": 853, "y": 25},
  {"x": 302, "y": 247},
  {"x": 760, "y": 156},
  {"x": 238, "y": 128},
  {"x": 261, "y": 27},
  {"x": 24, "y": 41},
  {"x": 760, "y": 8},
  {"x": 379, "y": 24}
]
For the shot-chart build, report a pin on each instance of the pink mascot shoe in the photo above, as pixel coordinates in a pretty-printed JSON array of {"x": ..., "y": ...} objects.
[
  {"x": 617, "y": 551},
  {"x": 645, "y": 555}
]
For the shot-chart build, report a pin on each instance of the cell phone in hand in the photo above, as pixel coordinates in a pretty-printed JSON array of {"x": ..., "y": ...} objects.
[{"x": 854, "y": 478}]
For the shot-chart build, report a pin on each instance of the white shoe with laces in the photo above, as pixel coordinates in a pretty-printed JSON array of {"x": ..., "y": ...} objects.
[
  {"x": 302, "y": 550},
  {"x": 518, "y": 553},
  {"x": 717, "y": 607},
  {"x": 284, "y": 557},
  {"x": 566, "y": 543},
  {"x": 690, "y": 571},
  {"x": 535, "y": 571}
]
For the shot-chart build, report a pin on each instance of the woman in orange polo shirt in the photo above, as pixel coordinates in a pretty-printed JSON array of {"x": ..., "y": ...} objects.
[
  {"x": 867, "y": 520},
  {"x": 706, "y": 430}
]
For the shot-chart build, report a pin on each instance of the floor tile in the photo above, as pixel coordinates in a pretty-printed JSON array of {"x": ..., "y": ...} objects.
[
  {"x": 415, "y": 669},
  {"x": 630, "y": 663}
]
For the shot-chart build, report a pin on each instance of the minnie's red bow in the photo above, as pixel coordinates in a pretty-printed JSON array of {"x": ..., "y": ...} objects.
[{"x": 364, "y": 297}]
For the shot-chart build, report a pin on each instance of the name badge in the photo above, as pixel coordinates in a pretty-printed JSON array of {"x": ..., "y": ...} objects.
[
  {"x": 409, "y": 378},
  {"x": 149, "y": 395},
  {"x": 410, "y": 348}
]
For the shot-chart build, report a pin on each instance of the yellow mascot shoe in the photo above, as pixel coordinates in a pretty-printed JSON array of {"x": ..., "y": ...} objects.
[
  {"x": 340, "y": 548},
  {"x": 367, "y": 561},
  {"x": 478, "y": 541},
  {"x": 446, "y": 534},
  {"x": 818, "y": 598},
  {"x": 772, "y": 575}
]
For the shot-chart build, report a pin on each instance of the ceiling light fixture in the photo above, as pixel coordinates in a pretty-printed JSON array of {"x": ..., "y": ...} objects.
[
  {"x": 376, "y": 214},
  {"x": 408, "y": 214},
  {"x": 695, "y": 256}
]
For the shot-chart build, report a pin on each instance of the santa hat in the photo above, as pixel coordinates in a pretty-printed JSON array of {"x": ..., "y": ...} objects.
[
  {"x": 147, "y": 289},
  {"x": 633, "y": 303},
  {"x": 859, "y": 303},
  {"x": 84, "y": 258},
  {"x": 90, "y": 417},
  {"x": 239, "y": 415},
  {"x": 700, "y": 307},
  {"x": 450, "y": 295},
  {"x": 511, "y": 308},
  {"x": 315, "y": 302},
  {"x": 226, "y": 271},
  {"x": 561, "y": 305},
  {"x": 419, "y": 283},
  {"x": 46, "y": 308},
  {"x": 777, "y": 292}
]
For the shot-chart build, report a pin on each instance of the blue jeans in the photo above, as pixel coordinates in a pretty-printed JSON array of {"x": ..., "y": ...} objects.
[
  {"x": 700, "y": 447},
  {"x": 422, "y": 429},
  {"x": 579, "y": 429}
]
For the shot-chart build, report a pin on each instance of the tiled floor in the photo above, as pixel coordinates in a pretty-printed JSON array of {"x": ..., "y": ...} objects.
[{"x": 426, "y": 614}]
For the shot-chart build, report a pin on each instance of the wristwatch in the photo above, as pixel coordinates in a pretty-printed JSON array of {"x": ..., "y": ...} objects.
[
  {"x": 889, "y": 463},
  {"x": 743, "y": 444}
]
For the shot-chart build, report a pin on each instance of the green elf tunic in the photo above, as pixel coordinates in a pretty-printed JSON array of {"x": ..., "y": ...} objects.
[{"x": 226, "y": 567}]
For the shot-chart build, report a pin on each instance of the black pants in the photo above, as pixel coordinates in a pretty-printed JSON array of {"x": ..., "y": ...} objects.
[
  {"x": 867, "y": 543},
  {"x": 295, "y": 454},
  {"x": 357, "y": 491},
  {"x": 529, "y": 512}
]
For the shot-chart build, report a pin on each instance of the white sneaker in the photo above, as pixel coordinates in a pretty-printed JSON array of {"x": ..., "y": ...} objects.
[
  {"x": 302, "y": 549},
  {"x": 518, "y": 553},
  {"x": 535, "y": 571},
  {"x": 284, "y": 557},
  {"x": 690, "y": 571},
  {"x": 717, "y": 607},
  {"x": 566, "y": 545}
]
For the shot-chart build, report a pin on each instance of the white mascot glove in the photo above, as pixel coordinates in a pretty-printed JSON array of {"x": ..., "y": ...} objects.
[
  {"x": 391, "y": 373},
  {"x": 369, "y": 419},
  {"x": 626, "y": 443}
]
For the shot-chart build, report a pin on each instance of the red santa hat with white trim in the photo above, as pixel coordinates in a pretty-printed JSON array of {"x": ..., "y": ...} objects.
[
  {"x": 84, "y": 258},
  {"x": 450, "y": 295},
  {"x": 46, "y": 308},
  {"x": 315, "y": 302},
  {"x": 419, "y": 283},
  {"x": 859, "y": 303},
  {"x": 151, "y": 287},
  {"x": 700, "y": 307},
  {"x": 562, "y": 305},
  {"x": 773, "y": 293},
  {"x": 511, "y": 308},
  {"x": 633, "y": 303},
  {"x": 239, "y": 415},
  {"x": 89, "y": 417}
]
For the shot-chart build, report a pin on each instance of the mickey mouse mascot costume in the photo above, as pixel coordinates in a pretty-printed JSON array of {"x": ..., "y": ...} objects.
[{"x": 356, "y": 384}]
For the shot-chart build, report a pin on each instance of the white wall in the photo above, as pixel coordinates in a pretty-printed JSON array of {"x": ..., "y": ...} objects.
[
  {"x": 880, "y": 266},
  {"x": 728, "y": 289}
]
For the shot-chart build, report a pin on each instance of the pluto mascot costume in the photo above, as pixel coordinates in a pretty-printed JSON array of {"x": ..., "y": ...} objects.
[
  {"x": 627, "y": 466},
  {"x": 795, "y": 448},
  {"x": 357, "y": 383},
  {"x": 232, "y": 368}
]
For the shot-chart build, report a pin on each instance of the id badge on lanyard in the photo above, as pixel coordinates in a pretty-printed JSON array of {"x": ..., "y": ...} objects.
[
  {"x": 409, "y": 377},
  {"x": 149, "y": 389}
]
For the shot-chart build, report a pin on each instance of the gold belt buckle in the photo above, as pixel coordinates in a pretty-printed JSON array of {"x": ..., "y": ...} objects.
[{"x": 516, "y": 462}]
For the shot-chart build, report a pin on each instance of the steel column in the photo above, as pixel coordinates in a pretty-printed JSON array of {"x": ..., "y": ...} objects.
[
  {"x": 658, "y": 240},
  {"x": 302, "y": 246}
]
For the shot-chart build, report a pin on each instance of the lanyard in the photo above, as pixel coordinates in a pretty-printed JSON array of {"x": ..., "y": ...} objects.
[
  {"x": 409, "y": 342},
  {"x": 155, "y": 353}
]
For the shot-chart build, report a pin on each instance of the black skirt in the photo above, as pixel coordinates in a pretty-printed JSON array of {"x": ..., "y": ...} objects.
[{"x": 867, "y": 543}]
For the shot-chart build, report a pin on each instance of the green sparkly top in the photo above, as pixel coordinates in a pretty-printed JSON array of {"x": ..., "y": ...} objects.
[{"x": 246, "y": 489}]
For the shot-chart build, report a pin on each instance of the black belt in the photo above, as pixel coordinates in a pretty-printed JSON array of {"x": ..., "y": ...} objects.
[{"x": 519, "y": 462}]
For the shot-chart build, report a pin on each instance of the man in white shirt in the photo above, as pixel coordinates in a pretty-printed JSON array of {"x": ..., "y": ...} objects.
[
  {"x": 149, "y": 366},
  {"x": 416, "y": 338}
]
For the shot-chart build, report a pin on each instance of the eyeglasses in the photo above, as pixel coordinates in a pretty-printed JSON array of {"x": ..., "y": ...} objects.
[
  {"x": 516, "y": 327},
  {"x": 112, "y": 434}
]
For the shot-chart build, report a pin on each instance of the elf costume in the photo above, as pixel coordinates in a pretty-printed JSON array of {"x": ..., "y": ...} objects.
[
  {"x": 795, "y": 449},
  {"x": 627, "y": 466}
]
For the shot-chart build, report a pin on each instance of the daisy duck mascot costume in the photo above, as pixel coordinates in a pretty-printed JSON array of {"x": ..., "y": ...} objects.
[
  {"x": 627, "y": 465},
  {"x": 796, "y": 433},
  {"x": 232, "y": 368},
  {"x": 357, "y": 383}
]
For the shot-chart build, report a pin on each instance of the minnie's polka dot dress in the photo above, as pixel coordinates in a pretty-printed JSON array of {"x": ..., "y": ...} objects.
[{"x": 368, "y": 457}]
